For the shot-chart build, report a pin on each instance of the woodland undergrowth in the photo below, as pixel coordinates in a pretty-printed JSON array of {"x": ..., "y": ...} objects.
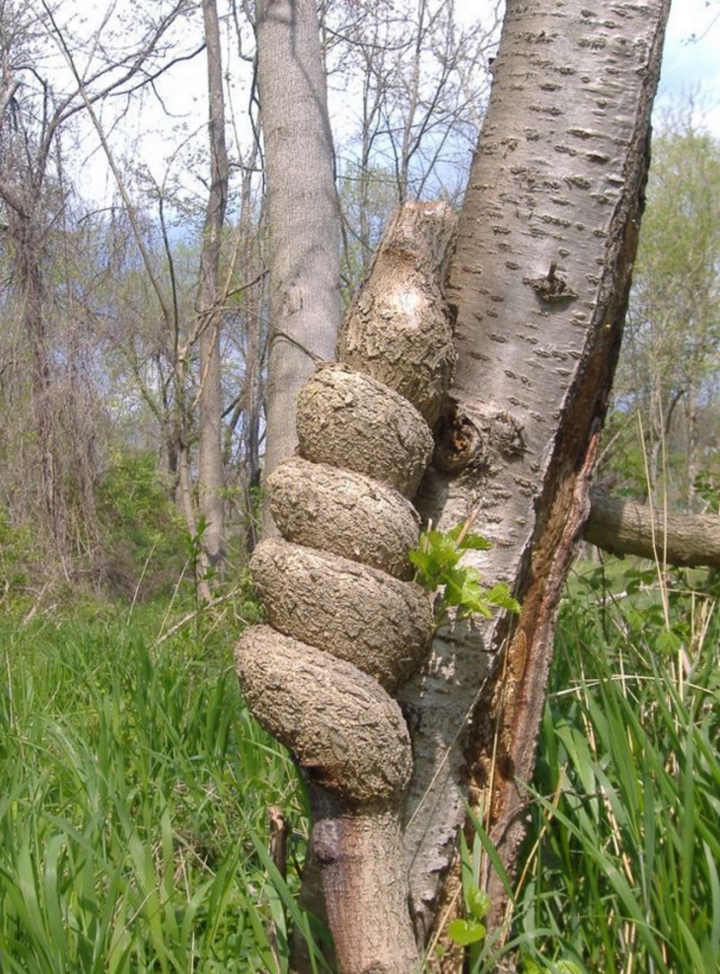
[{"x": 136, "y": 788}]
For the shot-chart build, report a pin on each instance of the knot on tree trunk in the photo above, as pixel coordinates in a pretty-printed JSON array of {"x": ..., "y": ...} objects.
[
  {"x": 342, "y": 727},
  {"x": 354, "y": 612},
  {"x": 338, "y": 582},
  {"x": 347, "y": 626}
]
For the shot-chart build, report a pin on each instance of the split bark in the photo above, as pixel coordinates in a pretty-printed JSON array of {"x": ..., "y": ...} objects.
[{"x": 540, "y": 279}]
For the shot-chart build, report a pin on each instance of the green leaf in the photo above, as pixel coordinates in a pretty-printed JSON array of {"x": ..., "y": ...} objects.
[
  {"x": 500, "y": 596},
  {"x": 465, "y": 932},
  {"x": 474, "y": 542},
  {"x": 423, "y": 564},
  {"x": 478, "y": 902},
  {"x": 437, "y": 566}
]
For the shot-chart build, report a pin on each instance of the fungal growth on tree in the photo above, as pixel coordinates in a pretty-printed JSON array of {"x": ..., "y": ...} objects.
[{"x": 346, "y": 624}]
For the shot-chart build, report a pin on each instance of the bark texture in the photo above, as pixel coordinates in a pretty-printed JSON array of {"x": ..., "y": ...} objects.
[
  {"x": 347, "y": 627},
  {"x": 355, "y": 612},
  {"x": 348, "y": 419},
  {"x": 345, "y": 513},
  {"x": 403, "y": 336},
  {"x": 340, "y": 724},
  {"x": 540, "y": 278},
  {"x": 624, "y": 528},
  {"x": 370, "y": 838},
  {"x": 302, "y": 211}
]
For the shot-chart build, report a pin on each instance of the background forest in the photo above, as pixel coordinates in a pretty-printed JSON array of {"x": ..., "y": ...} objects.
[
  {"x": 103, "y": 394},
  {"x": 133, "y": 336}
]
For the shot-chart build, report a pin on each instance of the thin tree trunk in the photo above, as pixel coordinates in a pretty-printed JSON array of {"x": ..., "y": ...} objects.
[
  {"x": 347, "y": 625},
  {"x": 210, "y": 464},
  {"x": 255, "y": 349},
  {"x": 302, "y": 210},
  {"x": 27, "y": 240}
]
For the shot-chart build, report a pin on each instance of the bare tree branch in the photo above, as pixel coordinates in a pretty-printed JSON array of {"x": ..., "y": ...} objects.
[{"x": 624, "y": 528}]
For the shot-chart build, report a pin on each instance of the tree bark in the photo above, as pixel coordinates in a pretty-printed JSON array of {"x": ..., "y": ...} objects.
[
  {"x": 345, "y": 633},
  {"x": 623, "y": 528},
  {"x": 302, "y": 212},
  {"x": 210, "y": 463},
  {"x": 539, "y": 287},
  {"x": 540, "y": 280}
]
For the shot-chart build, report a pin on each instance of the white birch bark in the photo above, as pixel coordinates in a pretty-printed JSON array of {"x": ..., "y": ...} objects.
[{"x": 546, "y": 240}]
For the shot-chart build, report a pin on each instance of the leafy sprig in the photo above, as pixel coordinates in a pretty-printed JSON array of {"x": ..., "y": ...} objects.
[
  {"x": 471, "y": 930},
  {"x": 437, "y": 562}
]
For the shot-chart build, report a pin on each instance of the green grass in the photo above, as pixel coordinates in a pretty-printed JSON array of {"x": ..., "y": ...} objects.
[
  {"x": 133, "y": 806},
  {"x": 623, "y": 864},
  {"x": 135, "y": 789}
]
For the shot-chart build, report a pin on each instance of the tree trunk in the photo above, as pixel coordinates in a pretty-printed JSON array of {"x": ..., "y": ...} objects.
[
  {"x": 540, "y": 281},
  {"x": 210, "y": 463},
  {"x": 27, "y": 235},
  {"x": 302, "y": 211},
  {"x": 539, "y": 286},
  {"x": 348, "y": 627}
]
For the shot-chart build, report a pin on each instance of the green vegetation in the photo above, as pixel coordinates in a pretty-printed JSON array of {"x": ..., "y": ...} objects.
[
  {"x": 623, "y": 864},
  {"x": 439, "y": 568},
  {"x": 135, "y": 789},
  {"x": 665, "y": 393},
  {"x": 133, "y": 817}
]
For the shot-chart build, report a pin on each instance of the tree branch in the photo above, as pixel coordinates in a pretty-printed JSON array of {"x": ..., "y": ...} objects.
[{"x": 624, "y": 528}]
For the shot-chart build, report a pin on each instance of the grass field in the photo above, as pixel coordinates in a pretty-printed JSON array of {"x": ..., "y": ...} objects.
[
  {"x": 623, "y": 861},
  {"x": 133, "y": 812},
  {"x": 135, "y": 789}
]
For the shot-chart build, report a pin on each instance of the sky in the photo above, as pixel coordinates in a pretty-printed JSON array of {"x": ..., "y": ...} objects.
[
  {"x": 691, "y": 67},
  {"x": 691, "y": 59}
]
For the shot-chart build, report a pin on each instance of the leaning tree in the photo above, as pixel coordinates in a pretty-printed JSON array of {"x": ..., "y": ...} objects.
[{"x": 472, "y": 377}]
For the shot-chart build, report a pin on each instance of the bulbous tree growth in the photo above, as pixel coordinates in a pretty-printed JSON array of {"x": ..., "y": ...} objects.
[{"x": 347, "y": 626}]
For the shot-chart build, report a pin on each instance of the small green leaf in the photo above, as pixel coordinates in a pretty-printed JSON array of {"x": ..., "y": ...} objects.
[
  {"x": 423, "y": 564},
  {"x": 437, "y": 566},
  {"x": 465, "y": 932},
  {"x": 478, "y": 902},
  {"x": 500, "y": 596},
  {"x": 474, "y": 542}
]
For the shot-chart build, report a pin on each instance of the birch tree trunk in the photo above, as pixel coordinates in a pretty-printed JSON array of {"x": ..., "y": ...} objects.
[
  {"x": 540, "y": 280},
  {"x": 302, "y": 211}
]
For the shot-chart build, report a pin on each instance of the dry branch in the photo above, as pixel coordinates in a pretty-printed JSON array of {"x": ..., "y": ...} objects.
[{"x": 624, "y": 528}]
